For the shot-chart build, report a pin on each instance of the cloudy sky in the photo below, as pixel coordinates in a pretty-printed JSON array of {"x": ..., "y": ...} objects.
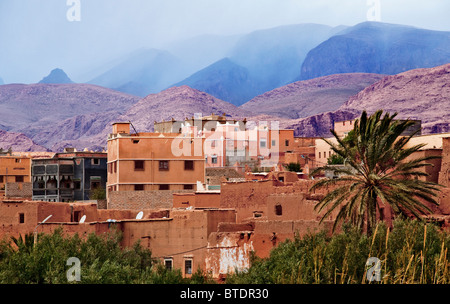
[{"x": 81, "y": 35}]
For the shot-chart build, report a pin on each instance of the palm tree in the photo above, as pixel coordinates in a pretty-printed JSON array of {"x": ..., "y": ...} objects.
[{"x": 378, "y": 169}]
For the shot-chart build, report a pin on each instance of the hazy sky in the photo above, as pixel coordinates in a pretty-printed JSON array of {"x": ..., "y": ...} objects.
[{"x": 37, "y": 35}]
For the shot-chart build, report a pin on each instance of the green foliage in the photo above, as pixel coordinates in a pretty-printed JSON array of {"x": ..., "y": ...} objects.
[
  {"x": 293, "y": 167},
  {"x": 335, "y": 160},
  {"x": 379, "y": 170},
  {"x": 411, "y": 253},
  {"x": 97, "y": 194},
  {"x": 103, "y": 261}
]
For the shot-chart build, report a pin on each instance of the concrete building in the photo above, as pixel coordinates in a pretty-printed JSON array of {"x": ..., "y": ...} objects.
[
  {"x": 68, "y": 176},
  {"x": 149, "y": 167}
]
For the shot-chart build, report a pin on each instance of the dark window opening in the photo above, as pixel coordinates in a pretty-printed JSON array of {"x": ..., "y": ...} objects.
[
  {"x": 21, "y": 218},
  {"x": 188, "y": 187},
  {"x": 77, "y": 185},
  {"x": 278, "y": 210},
  {"x": 76, "y": 216},
  {"x": 287, "y": 142},
  {"x": 188, "y": 165},
  {"x": 138, "y": 165},
  {"x": 163, "y": 187},
  {"x": 19, "y": 179},
  {"x": 138, "y": 187},
  {"x": 95, "y": 185},
  {"x": 168, "y": 263},
  {"x": 95, "y": 161},
  {"x": 188, "y": 267}
]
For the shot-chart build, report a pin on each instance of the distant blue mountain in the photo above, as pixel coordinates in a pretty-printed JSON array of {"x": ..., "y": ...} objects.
[
  {"x": 224, "y": 80},
  {"x": 374, "y": 47},
  {"x": 260, "y": 61},
  {"x": 56, "y": 76},
  {"x": 275, "y": 56},
  {"x": 143, "y": 72}
]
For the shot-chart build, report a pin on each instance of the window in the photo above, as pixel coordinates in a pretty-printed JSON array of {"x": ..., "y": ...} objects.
[
  {"x": 213, "y": 159},
  {"x": 115, "y": 166},
  {"x": 286, "y": 142},
  {"x": 273, "y": 143},
  {"x": 188, "y": 266},
  {"x": 188, "y": 165},
  {"x": 138, "y": 165},
  {"x": 278, "y": 210},
  {"x": 163, "y": 165},
  {"x": 320, "y": 155},
  {"x": 21, "y": 218},
  {"x": 262, "y": 143},
  {"x": 17, "y": 160},
  {"x": 168, "y": 263},
  {"x": 19, "y": 179},
  {"x": 76, "y": 216},
  {"x": 77, "y": 185},
  {"x": 95, "y": 161},
  {"x": 188, "y": 187},
  {"x": 94, "y": 185},
  {"x": 163, "y": 187},
  {"x": 1, "y": 178},
  {"x": 138, "y": 187}
]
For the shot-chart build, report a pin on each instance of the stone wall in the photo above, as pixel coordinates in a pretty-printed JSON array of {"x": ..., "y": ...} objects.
[{"x": 154, "y": 199}]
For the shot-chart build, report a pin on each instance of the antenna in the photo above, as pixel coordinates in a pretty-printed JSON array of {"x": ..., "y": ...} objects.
[
  {"x": 83, "y": 218},
  {"x": 133, "y": 127},
  {"x": 140, "y": 215}
]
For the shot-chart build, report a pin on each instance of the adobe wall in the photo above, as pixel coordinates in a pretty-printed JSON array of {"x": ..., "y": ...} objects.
[
  {"x": 444, "y": 175},
  {"x": 142, "y": 199},
  {"x": 197, "y": 200}
]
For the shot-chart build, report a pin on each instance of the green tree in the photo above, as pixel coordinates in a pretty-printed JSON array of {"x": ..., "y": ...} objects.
[
  {"x": 379, "y": 169},
  {"x": 293, "y": 167}
]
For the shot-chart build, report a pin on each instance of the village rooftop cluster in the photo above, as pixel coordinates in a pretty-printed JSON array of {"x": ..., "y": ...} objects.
[{"x": 200, "y": 193}]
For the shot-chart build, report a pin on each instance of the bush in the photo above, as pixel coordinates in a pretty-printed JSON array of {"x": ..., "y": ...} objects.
[
  {"x": 413, "y": 252},
  {"x": 103, "y": 261}
]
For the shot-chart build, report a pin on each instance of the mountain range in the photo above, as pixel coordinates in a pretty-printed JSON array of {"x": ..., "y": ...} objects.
[
  {"x": 240, "y": 67},
  {"x": 243, "y": 76}
]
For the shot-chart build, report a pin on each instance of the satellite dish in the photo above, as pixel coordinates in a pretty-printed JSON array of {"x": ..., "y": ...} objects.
[
  {"x": 83, "y": 218},
  {"x": 140, "y": 215}
]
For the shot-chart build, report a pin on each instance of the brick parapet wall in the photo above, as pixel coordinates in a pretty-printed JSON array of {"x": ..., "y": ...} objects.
[
  {"x": 155, "y": 199},
  {"x": 18, "y": 190}
]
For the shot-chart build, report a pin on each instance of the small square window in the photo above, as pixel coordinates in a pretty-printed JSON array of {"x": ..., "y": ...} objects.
[
  {"x": 95, "y": 161},
  {"x": 168, "y": 263},
  {"x": 163, "y": 187},
  {"x": 19, "y": 179},
  {"x": 163, "y": 165},
  {"x": 138, "y": 165},
  {"x": 188, "y": 165},
  {"x": 138, "y": 187},
  {"x": 214, "y": 160}
]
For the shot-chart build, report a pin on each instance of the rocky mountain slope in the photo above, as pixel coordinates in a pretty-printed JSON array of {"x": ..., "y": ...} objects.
[
  {"x": 417, "y": 94},
  {"x": 19, "y": 142},
  {"x": 91, "y": 131},
  {"x": 374, "y": 47},
  {"x": 310, "y": 97}
]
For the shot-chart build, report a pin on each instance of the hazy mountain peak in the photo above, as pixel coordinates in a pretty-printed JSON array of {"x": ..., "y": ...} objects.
[{"x": 56, "y": 76}]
